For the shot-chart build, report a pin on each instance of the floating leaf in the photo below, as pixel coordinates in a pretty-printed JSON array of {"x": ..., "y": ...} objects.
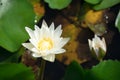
[
  {"x": 105, "y": 70},
  {"x": 106, "y": 4},
  {"x": 117, "y": 22},
  {"x": 58, "y": 4},
  {"x": 74, "y": 72},
  {"x": 14, "y": 16},
  {"x": 15, "y": 72},
  {"x": 93, "y": 1}
]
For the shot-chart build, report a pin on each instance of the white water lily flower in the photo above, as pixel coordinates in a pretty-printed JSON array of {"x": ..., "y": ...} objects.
[
  {"x": 45, "y": 42},
  {"x": 96, "y": 44}
]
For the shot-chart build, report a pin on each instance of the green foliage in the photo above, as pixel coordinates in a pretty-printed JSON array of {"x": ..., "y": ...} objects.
[
  {"x": 15, "y": 72},
  {"x": 105, "y": 70},
  {"x": 117, "y": 22},
  {"x": 106, "y": 4},
  {"x": 58, "y": 4},
  {"x": 93, "y": 1},
  {"x": 14, "y": 16},
  {"x": 74, "y": 72}
]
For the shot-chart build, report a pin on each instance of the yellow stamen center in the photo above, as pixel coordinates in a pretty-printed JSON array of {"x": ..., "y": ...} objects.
[{"x": 45, "y": 44}]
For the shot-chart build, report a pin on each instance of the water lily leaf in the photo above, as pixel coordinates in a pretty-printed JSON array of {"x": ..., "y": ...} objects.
[
  {"x": 58, "y": 4},
  {"x": 117, "y": 22},
  {"x": 93, "y": 1},
  {"x": 106, "y": 4},
  {"x": 74, "y": 72},
  {"x": 14, "y": 16},
  {"x": 12, "y": 71},
  {"x": 105, "y": 70}
]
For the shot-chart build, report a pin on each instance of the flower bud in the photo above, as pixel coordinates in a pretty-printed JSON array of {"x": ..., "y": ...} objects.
[{"x": 97, "y": 47}]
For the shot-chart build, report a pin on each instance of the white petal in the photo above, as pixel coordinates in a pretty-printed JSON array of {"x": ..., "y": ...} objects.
[
  {"x": 30, "y": 32},
  {"x": 44, "y": 24},
  {"x": 104, "y": 44},
  {"x": 28, "y": 45},
  {"x": 95, "y": 36},
  {"x": 35, "y": 50},
  {"x": 96, "y": 39},
  {"x": 63, "y": 42},
  {"x": 96, "y": 52},
  {"x": 37, "y": 32},
  {"x": 95, "y": 44},
  {"x": 36, "y": 55},
  {"x": 34, "y": 42},
  {"x": 36, "y": 27},
  {"x": 59, "y": 51},
  {"x": 45, "y": 30},
  {"x": 90, "y": 44},
  {"x": 58, "y": 31},
  {"x": 50, "y": 57},
  {"x": 51, "y": 28},
  {"x": 58, "y": 28}
]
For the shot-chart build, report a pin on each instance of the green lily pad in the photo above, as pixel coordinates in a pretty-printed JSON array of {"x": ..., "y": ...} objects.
[
  {"x": 58, "y": 4},
  {"x": 12, "y": 71},
  {"x": 14, "y": 16},
  {"x": 106, "y": 4},
  {"x": 105, "y": 70},
  {"x": 93, "y": 1}
]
